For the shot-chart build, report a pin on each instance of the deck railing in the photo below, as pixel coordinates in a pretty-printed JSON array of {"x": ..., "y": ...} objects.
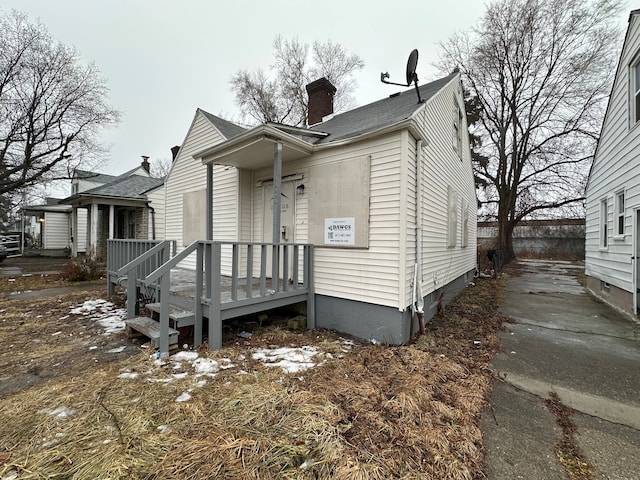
[
  {"x": 249, "y": 288},
  {"x": 134, "y": 259},
  {"x": 232, "y": 279}
]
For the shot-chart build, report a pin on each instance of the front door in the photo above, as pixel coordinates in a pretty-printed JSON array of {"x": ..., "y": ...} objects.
[{"x": 287, "y": 219}]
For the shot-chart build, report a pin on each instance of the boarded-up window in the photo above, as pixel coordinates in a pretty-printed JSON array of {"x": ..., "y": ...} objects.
[
  {"x": 465, "y": 224},
  {"x": 194, "y": 220},
  {"x": 339, "y": 202},
  {"x": 452, "y": 213}
]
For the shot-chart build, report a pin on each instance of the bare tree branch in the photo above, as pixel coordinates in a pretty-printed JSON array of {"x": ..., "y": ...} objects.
[
  {"x": 539, "y": 73},
  {"x": 284, "y": 99}
]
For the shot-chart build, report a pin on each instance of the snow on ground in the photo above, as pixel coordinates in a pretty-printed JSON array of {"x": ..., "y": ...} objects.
[
  {"x": 105, "y": 313},
  {"x": 290, "y": 359},
  {"x": 189, "y": 366}
]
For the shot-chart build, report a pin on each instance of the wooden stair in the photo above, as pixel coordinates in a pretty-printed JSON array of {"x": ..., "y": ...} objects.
[
  {"x": 151, "y": 328},
  {"x": 179, "y": 315}
]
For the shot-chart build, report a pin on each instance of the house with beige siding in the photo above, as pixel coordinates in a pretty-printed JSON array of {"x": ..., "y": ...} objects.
[
  {"x": 384, "y": 193},
  {"x": 612, "y": 247}
]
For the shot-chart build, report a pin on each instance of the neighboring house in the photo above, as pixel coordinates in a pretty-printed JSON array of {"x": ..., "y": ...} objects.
[
  {"x": 612, "y": 259},
  {"x": 47, "y": 227},
  {"x": 385, "y": 192},
  {"x": 129, "y": 206}
]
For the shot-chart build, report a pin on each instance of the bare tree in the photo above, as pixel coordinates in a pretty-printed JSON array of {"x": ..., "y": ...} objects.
[
  {"x": 51, "y": 107},
  {"x": 538, "y": 73},
  {"x": 281, "y": 96}
]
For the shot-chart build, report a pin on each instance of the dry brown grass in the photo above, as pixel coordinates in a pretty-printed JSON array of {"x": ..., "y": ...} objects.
[{"x": 371, "y": 412}]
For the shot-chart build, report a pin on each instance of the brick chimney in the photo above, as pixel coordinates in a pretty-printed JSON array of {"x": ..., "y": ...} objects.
[
  {"x": 145, "y": 164},
  {"x": 321, "y": 94}
]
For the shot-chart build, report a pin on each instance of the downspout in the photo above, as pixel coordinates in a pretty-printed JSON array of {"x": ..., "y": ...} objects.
[
  {"x": 153, "y": 221},
  {"x": 417, "y": 303}
]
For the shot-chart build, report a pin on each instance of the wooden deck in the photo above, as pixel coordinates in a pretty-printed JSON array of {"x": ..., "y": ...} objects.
[{"x": 181, "y": 296}]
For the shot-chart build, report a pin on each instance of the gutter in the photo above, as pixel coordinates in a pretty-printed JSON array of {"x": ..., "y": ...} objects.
[{"x": 417, "y": 302}]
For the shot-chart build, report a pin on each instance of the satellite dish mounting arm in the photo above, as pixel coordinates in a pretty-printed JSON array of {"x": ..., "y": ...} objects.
[{"x": 412, "y": 76}]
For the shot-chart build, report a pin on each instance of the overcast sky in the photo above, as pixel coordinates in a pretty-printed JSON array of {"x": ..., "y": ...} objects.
[{"x": 164, "y": 58}]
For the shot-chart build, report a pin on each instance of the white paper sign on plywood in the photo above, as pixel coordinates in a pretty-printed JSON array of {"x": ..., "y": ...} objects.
[
  {"x": 339, "y": 197},
  {"x": 340, "y": 231}
]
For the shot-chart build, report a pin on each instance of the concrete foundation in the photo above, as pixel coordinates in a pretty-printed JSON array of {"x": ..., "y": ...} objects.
[
  {"x": 378, "y": 323},
  {"x": 616, "y": 297}
]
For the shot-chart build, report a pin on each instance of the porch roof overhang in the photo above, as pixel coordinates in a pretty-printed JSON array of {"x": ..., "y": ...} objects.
[
  {"x": 255, "y": 149},
  {"x": 79, "y": 200}
]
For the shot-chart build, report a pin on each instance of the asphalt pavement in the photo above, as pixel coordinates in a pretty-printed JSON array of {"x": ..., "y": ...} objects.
[{"x": 563, "y": 341}]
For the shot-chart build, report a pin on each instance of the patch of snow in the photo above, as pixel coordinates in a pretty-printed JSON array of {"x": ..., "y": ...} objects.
[
  {"x": 103, "y": 312},
  {"x": 117, "y": 349},
  {"x": 185, "y": 397},
  {"x": 290, "y": 359},
  {"x": 129, "y": 375},
  {"x": 187, "y": 356},
  {"x": 59, "y": 412}
]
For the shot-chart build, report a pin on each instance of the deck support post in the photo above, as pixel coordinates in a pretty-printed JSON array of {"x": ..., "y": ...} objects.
[
  {"x": 215, "y": 318},
  {"x": 277, "y": 205},
  {"x": 165, "y": 283},
  {"x": 197, "y": 326},
  {"x": 308, "y": 280}
]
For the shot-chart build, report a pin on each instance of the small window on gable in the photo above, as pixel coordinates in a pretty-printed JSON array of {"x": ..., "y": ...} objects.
[
  {"x": 457, "y": 127},
  {"x": 452, "y": 217},
  {"x": 619, "y": 214},
  {"x": 604, "y": 234},
  {"x": 635, "y": 82}
]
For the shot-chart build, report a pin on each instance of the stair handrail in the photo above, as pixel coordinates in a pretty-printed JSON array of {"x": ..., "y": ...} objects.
[
  {"x": 168, "y": 265},
  {"x": 145, "y": 256}
]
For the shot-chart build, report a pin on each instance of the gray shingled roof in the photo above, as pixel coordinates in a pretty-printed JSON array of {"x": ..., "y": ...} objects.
[
  {"x": 377, "y": 115},
  {"x": 228, "y": 129},
  {"x": 95, "y": 176},
  {"x": 133, "y": 187}
]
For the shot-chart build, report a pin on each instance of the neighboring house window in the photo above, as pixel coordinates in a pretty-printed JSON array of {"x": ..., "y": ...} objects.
[
  {"x": 603, "y": 224},
  {"x": 619, "y": 214},
  {"x": 457, "y": 127},
  {"x": 465, "y": 224},
  {"x": 452, "y": 210},
  {"x": 635, "y": 82}
]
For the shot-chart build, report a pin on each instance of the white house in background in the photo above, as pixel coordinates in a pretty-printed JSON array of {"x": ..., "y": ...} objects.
[
  {"x": 612, "y": 250},
  {"x": 101, "y": 206},
  {"x": 47, "y": 227},
  {"x": 129, "y": 206},
  {"x": 385, "y": 192}
]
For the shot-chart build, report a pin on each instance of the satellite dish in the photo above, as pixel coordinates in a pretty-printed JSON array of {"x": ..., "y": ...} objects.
[
  {"x": 412, "y": 77},
  {"x": 412, "y": 63}
]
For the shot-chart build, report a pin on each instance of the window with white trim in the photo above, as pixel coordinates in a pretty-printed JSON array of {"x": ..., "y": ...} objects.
[
  {"x": 604, "y": 234},
  {"x": 619, "y": 214},
  {"x": 635, "y": 92},
  {"x": 457, "y": 127}
]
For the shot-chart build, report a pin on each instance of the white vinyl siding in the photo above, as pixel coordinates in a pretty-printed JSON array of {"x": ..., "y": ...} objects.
[
  {"x": 444, "y": 168},
  {"x": 188, "y": 174},
  {"x": 56, "y": 230},
  {"x": 156, "y": 201},
  {"x": 616, "y": 168},
  {"x": 371, "y": 274}
]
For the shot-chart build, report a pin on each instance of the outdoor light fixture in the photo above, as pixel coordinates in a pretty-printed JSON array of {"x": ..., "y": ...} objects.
[{"x": 300, "y": 189}]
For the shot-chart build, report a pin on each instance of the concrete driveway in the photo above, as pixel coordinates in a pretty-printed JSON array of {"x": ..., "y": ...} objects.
[{"x": 567, "y": 342}]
